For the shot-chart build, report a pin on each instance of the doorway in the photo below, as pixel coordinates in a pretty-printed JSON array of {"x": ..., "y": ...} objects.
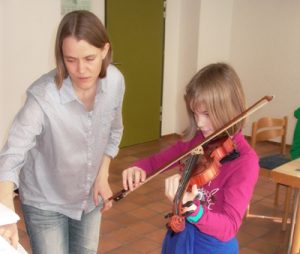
[{"x": 136, "y": 31}]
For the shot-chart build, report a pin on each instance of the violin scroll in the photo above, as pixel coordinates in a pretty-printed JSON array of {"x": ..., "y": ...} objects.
[{"x": 177, "y": 223}]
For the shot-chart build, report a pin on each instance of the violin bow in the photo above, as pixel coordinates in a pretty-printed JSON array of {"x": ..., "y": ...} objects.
[{"x": 199, "y": 147}]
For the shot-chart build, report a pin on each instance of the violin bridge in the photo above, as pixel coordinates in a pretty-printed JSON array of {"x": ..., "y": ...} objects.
[{"x": 198, "y": 150}]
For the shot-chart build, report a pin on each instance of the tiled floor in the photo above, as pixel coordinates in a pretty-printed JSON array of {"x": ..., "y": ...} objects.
[{"x": 136, "y": 224}]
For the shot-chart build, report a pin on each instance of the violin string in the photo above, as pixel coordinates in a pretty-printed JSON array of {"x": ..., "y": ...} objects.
[{"x": 184, "y": 179}]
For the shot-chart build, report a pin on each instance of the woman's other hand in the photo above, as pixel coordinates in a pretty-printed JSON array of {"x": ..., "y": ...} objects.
[{"x": 10, "y": 233}]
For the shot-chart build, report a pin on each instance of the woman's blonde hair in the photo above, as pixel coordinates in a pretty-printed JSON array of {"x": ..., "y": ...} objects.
[
  {"x": 83, "y": 25},
  {"x": 218, "y": 88}
]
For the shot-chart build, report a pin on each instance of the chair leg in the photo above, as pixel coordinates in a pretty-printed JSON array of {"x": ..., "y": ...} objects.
[
  {"x": 287, "y": 201},
  {"x": 276, "y": 194}
]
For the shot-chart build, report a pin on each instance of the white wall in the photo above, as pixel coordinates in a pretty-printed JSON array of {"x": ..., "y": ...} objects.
[
  {"x": 171, "y": 58},
  {"x": 188, "y": 51},
  {"x": 259, "y": 38},
  {"x": 214, "y": 31},
  {"x": 27, "y": 51},
  {"x": 181, "y": 45},
  {"x": 28, "y": 30},
  {"x": 1, "y": 64},
  {"x": 197, "y": 33},
  {"x": 265, "y": 49},
  {"x": 98, "y": 9}
]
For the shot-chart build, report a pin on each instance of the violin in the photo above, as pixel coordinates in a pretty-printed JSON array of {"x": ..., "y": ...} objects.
[
  {"x": 202, "y": 166},
  {"x": 203, "y": 163}
]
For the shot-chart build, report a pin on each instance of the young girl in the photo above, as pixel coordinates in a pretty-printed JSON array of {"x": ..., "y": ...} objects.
[
  {"x": 213, "y": 97},
  {"x": 61, "y": 142}
]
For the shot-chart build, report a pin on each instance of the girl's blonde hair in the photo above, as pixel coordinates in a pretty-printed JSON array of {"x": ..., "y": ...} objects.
[
  {"x": 218, "y": 88},
  {"x": 83, "y": 25}
]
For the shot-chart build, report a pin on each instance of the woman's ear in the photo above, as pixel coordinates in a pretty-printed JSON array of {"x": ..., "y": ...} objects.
[{"x": 105, "y": 50}]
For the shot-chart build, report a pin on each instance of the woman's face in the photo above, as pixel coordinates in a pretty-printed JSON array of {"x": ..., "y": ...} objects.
[
  {"x": 83, "y": 62},
  {"x": 203, "y": 121}
]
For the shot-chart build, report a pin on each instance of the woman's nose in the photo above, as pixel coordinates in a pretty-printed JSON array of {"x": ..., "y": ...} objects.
[{"x": 80, "y": 67}]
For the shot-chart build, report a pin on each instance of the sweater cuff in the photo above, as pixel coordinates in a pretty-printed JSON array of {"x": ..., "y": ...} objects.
[{"x": 197, "y": 214}]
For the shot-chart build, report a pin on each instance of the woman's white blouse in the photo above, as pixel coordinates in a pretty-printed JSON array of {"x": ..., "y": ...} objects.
[{"x": 55, "y": 147}]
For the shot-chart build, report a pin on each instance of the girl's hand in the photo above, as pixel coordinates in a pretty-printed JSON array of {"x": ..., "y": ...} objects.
[
  {"x": 10, "y": 233},
  {"x": 189, "y": 197},
  {"x": 171, "y": 186},
  {"x": 133, "y": 177}
]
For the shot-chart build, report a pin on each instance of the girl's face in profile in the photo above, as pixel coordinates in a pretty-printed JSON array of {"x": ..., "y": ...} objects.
[
  {"x": 83, "y": 62},
  {"x": 203, "y": 121}
]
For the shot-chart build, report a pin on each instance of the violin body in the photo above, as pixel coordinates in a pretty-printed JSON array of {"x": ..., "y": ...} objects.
[{"x": 199, "y": 170}]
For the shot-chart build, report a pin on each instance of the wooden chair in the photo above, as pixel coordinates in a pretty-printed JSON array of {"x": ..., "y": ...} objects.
[{"x": 272, "y": 129}]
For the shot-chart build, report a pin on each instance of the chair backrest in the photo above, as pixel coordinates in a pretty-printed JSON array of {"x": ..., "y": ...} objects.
[{"x": 269, "y": 128}]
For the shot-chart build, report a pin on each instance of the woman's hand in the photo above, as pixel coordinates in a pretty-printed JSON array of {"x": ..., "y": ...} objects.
[
  {"x": 133, "y": 177},
  {"x": 102, "y": 188},
  {"x": 10, "y": 233},
  {"x": 171, "y": 186}
]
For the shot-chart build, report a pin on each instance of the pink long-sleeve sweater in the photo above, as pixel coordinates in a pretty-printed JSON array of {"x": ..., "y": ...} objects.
[{"x": 227, "y": 195}]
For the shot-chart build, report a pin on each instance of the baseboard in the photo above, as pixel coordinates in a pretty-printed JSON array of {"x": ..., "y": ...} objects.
[{"x": 171, "y": 135}]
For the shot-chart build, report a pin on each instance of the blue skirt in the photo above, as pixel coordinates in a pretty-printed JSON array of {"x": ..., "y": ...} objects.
[{"x": 193, "y": 241}]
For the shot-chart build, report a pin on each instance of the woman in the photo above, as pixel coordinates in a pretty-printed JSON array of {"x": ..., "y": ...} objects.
[{"x": 61, "y": 142}]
